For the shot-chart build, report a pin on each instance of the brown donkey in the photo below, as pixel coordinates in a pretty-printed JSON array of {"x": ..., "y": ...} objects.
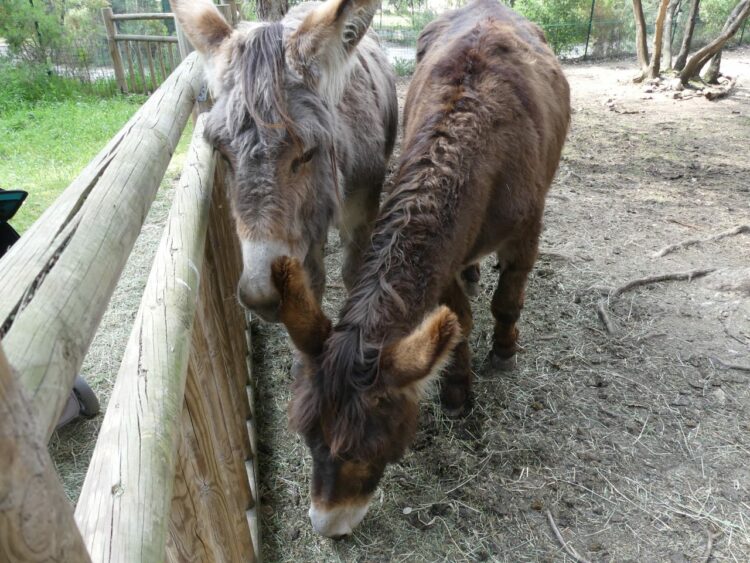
[
  {"x": 305, "y": 114},
  {"x": 485, "y": 120}
]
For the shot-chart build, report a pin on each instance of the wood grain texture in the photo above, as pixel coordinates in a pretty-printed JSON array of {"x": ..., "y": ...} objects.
[
  {"x": 216, "y": 443},
  {"x": 123, "y": 510},
  {"x": 114, "y": 50},
  {"x": 36, "y": 518},
  {"x": 58, "y": 279}
]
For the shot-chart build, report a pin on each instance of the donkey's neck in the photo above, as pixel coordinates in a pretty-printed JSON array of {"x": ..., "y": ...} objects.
[
  {"x": 417, "y": 247},
  {"x": 423, "y": 231}
]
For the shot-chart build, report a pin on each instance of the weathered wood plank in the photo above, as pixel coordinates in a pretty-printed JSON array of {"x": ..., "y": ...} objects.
[
  {"x": 151, "y": 69},
  {"x": 141, "y": 69},
  {"x": 124, "y": 505},
  {"x": 36, "y": 519},
  {"x": 131, "y": 72},
  {"x": 160, "y": 52},
  {"x": 149, "y": 16},
  {"x": 145, "y": 38},
  {"x": 114, "y": 50},
  {"x": 218, "y": 444},
  {"x": 57, "y": 280},
  {"x": 190, "y": 536}
]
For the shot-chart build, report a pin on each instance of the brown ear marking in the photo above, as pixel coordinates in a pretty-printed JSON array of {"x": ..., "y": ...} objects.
[
  {"x": 426, "y": 349},
  {"x": 299, "y": 310}
]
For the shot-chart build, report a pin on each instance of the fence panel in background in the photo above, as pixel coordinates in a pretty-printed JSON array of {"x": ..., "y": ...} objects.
[{"x": 141, "y": 62}]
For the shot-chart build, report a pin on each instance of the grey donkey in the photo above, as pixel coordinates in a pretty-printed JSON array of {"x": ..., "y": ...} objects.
[{"x": 305, "y": 114}]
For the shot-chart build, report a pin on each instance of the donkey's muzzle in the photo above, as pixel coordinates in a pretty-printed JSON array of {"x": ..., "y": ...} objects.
[{"x": 265, "y": 304}]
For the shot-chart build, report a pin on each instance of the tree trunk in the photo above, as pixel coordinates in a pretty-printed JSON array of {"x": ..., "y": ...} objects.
[
  {"x": 701, "y": 57},
  {"x": 272, "y": 10},
  {"x": 712, "y": 74},
  {"x": 655, "y": 65},
  {"x": 666, "y": 45},
  {"x": 687, "y": 38},
  {"x": 640, "y": 35}
]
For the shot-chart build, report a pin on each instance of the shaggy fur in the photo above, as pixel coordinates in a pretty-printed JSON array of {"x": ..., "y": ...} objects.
[
  {"x": 485, "y": 120},
  {"x": 303, "y": 154}
]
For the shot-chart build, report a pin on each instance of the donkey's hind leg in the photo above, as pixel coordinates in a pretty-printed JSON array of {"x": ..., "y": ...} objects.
[
  {"x": 358, "y": 218},
  {"x": 508, "y": 299},
  {"x": 456, "y": 380}
]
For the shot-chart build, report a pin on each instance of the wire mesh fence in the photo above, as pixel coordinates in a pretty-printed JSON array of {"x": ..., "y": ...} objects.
[{"x": 576, "y": 29}]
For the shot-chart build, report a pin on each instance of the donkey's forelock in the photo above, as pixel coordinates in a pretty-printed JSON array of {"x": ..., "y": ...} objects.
[
  {"x": 262, "y": 78},
  {"x": 262, "y": 96}
]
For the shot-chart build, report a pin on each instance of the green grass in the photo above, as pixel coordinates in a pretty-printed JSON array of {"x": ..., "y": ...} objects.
[
  {"x": 404, "y": 67},
  {"x": 44, "y": 146}
]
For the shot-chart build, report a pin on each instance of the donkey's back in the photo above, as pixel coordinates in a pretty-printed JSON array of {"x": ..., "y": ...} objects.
[{"x": 487, "y": 82}]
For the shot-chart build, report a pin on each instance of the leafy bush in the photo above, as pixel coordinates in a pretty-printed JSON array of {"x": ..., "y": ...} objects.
[{"x": 404, "y": 67}]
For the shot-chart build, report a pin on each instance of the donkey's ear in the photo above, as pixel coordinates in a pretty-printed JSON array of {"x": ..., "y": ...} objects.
[
  {"x": 299, "y": 310},
  {"x": 423, "y": 353},
  {"x": 203, "y": 24},
  {"x": 319, "y": 48}
]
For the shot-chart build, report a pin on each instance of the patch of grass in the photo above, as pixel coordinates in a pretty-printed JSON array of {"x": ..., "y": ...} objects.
[
  {"x": 44, "y": 146},
  {"x": 404, "y": 67},
  {"x": 26, "y": 85}
]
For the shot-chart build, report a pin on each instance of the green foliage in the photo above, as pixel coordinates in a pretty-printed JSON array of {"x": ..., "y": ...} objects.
[
  {"x": 404, "y": 67},
  {"x": 565, "y": 22},
  {"x": 28, "y": 84},
  {"x": 32, "y": 28}
]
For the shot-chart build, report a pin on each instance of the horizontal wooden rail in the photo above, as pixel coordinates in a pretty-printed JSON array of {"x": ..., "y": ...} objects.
[
  {"x": 36, "y": 519},
  {"x": 123, "y": 510},
  {"x": 154, "y": 16},
  {"x": 57, "y": 280},
  {"x": 150, "y": 38}
]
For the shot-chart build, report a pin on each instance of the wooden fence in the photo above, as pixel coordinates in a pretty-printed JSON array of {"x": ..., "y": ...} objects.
[
  {"x": 172, "y": 477},
  {"x": 142, "y": 62}
]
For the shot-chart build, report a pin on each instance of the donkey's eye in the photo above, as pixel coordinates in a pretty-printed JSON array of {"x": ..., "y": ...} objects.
[{"x": 306, "y": 157}]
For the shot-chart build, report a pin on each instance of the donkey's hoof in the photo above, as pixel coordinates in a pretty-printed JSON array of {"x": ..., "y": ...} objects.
[
  {"x": 454, "y": 400},
  {"x": 502, "y": 364}
]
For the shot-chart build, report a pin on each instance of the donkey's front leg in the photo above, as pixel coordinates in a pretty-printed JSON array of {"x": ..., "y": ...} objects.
[
  {"x": 508, "y": 300},
  {"x": 456, "y": 380},
  {"x": 357, "y": 220}
]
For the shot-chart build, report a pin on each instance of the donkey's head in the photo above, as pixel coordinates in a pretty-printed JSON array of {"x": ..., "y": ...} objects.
[
  {"x": 276, "y": 87},
  {"x": 356, "y": 405}
]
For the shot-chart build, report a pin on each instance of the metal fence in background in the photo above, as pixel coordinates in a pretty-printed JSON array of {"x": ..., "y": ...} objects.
[{"x": 592, "y": 31}]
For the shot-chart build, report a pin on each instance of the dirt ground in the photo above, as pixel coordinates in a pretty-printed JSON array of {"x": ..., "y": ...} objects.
[{"x": 637, "y": 441}]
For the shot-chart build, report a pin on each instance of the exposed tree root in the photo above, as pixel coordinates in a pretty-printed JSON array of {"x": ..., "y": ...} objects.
[
  {"x": 693, "y": 241},
  {"x": 569, "y": 549},
  {"x": 601, "y": 306},
  {"x": 677, "y": 276}
]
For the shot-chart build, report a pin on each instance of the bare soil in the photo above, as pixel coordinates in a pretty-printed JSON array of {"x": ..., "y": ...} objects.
[{"x": 637, "y": 442}]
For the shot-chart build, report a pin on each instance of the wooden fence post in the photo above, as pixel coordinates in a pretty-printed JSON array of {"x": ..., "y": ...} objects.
[
  {"x": 36, "y": 518},
  {"x": 81, "y": 243},
  {"x": 114, "y": 50}
]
